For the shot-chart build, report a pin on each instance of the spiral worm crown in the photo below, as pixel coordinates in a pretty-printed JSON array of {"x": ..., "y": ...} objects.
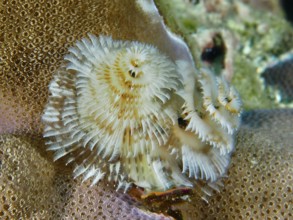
[{"x": 116, "y": 109}]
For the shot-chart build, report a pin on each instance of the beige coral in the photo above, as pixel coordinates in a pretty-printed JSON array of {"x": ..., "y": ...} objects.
[
  {"x": 259, "y": 184},
  {"x": 32, "y": 187}
]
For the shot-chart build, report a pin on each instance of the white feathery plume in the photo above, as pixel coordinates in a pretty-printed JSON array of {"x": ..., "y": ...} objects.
[
  {"x": 213, "y": 112},
  {"x": 124, "y": 111},
  {"x": 199, "y": 160},
  {"x": 112, "y": 100}
]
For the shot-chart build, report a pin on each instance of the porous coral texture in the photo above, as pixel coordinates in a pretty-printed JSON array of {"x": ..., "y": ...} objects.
[
  {"x": 32, "y": 187},
  {"x": 27, "y": 179},
  {"x": 259, "y": 184}
]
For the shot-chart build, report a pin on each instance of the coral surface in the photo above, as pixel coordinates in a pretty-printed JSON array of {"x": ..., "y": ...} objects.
[
  {"x": 259, "y": 183},
  {"x": 32, "y": 187}
]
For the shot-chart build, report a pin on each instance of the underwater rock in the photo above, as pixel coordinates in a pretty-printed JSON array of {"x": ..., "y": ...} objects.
[
  {"x": 252, "y": 34},
  {"x": 278, "y": 79}
]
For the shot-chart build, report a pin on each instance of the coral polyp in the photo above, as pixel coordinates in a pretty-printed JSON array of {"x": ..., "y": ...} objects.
[{"x": 123, "y": 110}]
